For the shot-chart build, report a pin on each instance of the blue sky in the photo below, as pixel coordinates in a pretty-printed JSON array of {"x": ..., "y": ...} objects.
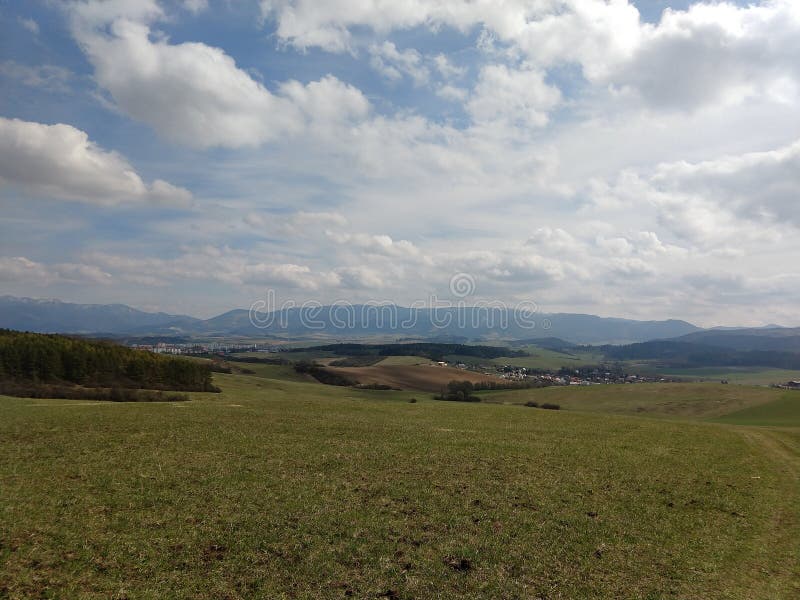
[{"x": 634, "y": 159}]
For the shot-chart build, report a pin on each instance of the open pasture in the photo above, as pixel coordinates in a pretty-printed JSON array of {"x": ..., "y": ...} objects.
[{"x": 289, "y": 489}]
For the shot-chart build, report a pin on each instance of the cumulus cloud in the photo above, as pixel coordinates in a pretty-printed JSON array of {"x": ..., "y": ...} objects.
[
  {"x": 61, "y": 161},
  {"x": 715, "y": 52},
  {"x": 291, "y": 275},
  {"x": 452, "y": 93},
  {"x": 394, "y": 64},
  {"x": 193, "y": 93},
  {"x": 446, "y": 68},
  {"x": 516, "y": 97},
  {"x": 360, "y": 277},
  {"x": 552, "y": 240},
  {"x": 710, "y": 52},
  {"x": 716, "y": 204},
  {"x": 762, "y": 186},
  {"x": 379, "y": 244}
]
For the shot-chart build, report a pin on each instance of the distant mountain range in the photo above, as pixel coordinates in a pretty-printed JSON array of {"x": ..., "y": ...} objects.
[
  {"x": 54, "y": 316},
  {"x": 358, "y": 322}
]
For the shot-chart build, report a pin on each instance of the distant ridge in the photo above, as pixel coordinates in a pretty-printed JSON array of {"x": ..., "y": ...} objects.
[
  {"x": 331, "y": 322},
  {"x": 55, "y": 316},
  {"x": 779, "y": 339}
]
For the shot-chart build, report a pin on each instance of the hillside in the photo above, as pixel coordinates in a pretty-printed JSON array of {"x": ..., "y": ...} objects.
[
  {"x": 682, "y": 354},
  {"x": 780, "y": 339}
]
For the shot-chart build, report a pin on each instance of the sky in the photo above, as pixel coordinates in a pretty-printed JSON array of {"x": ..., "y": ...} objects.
[{"x": 637, "y": 159}]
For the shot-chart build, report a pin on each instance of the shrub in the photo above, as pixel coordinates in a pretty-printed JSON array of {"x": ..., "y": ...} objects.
[
  {"x": 459, "y": 391},
  {"x": 375, "y": 386},
  {"x": 532, "y": 404},
  {"x": 549, "y": 406},
  {"x": 74, "y": 392},
  {"x": 323, "y": 375}
]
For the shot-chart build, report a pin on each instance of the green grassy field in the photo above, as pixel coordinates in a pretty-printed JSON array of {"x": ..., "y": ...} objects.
[
  {"x": 681, "y": 400},
  {"x": 404, "y": 361},
  {"x": 741, "y": 375},
  {"x": 784, "y": 411},
  {"x": 279, "y": 488}
]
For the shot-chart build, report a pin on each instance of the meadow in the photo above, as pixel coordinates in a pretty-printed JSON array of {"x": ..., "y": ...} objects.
[
  {"x": 279, "y": 487},
  {"x": 741, "y": 375}
]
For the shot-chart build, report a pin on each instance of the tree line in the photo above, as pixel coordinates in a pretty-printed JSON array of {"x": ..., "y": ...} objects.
[{"x": 57, "y": 359}]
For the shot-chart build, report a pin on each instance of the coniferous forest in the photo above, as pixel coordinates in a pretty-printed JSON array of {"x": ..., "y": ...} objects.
[{"x": 39, "y": 359}]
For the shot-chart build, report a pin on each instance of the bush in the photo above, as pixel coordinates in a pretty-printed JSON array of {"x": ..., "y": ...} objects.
[
  {"x": 375, "y": 386},
  {"x": 323, "y": 375},
  {"x": 413, "y": 400},
  {"x": 549, "y": 406},
  {"x": 459, "y": 391},
  {"x": 114, "y": 394},
  {"x": 532, "y": 404}
]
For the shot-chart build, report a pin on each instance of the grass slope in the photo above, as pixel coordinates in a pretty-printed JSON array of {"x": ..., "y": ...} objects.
[
  {"x": 781, "y": 412},
  {"x": 686, "y": 400},
  {"x": 740, "y": 375},
  {"x": 285, "y": 489}
]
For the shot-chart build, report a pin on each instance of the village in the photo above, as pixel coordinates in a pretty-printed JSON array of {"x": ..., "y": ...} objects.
[{"x": 588, "y": 375}]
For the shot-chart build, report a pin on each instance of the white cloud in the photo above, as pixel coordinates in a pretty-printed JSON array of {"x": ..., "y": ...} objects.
[
  {"x": 21, "y": 269},
  {"x": 291, "y": 275},
  {"x": 451, "y": 93},
  {"x": 379, "y": 244},
  {"x": 327, "y": 102},
  {"x": 714, "y": 51},
  {"x": 195, "y": 6},
  {"x": 60, "y": 161},
  {"x": 193, "y": 93},
  {"x": 632, "y": 267},
  {"x": 516, "y": 97},
  {"x": 360, "y": 277},
  {"x": 714, "y": 205},
  {"x": 216, "y": 265},
  {"x": 394, "y": 64},
  {"x": 761, "y": 186},
  {"x": 446, "y": 67},
  {"x": 556, "y": 240}
]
